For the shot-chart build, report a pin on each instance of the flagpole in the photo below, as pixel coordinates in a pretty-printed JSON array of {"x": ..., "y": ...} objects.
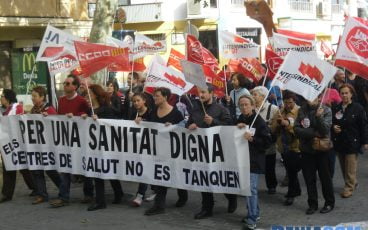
[
  {"x": 204, "y": 110},
  {"x": 265, "y": 77},
  {"x": 89, "y": 96},
  {"x": 132, "y": 77},
  {"x": 223, "y": 69}
]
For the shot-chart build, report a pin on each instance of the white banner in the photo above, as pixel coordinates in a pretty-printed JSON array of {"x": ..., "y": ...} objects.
[
  {"x": 159, "y": 75},
  {"x": 55, "y": 43},
  {"x": 304, "y": 74},
  {"x": 234, "y": 46},
  {"x": 282, "y": 44},
  {"x": 209, "y": 160},
  {"x": 193, "y": 73}
]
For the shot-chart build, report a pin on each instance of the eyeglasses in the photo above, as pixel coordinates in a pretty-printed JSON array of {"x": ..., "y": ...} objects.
[{"x": 67, "y": 83}]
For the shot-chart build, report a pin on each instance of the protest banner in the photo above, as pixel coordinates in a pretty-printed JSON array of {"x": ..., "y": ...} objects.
[
  {"x": 234, "y": 46},
  {"x": 282, "y": 44},
  {"x": 208, "y": 160},
  {"x": 304, "y": 74}
]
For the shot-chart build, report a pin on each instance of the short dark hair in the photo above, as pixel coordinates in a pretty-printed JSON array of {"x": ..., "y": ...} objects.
[
  {"x": 41, "y": 91},
  {"x": 135, "y": 75},
  {"x": 289, "y": 95},
  {"x": 10, "y": 96},
  {"x": 165, "y": 92},
  {"x": 76, "y": 81},
  {"x": 243, "y": 81},
  {"x": 210, "y": 87}
]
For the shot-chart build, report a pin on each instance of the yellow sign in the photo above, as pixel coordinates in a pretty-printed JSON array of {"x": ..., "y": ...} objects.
[{"x": 29, "y": 62}]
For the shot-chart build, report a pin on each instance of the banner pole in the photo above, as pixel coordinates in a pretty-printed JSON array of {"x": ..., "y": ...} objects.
[
  {"x": 204, "y": 110},
  {"x": 89, "y": 96},
  {"x": 265, "y": 77},
  {"x": 132, "y": 78},
  {"x": 225, "y": 80}
]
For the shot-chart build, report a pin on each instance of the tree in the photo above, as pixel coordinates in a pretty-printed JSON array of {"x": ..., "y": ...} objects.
[{"x": 102, "y": 27}]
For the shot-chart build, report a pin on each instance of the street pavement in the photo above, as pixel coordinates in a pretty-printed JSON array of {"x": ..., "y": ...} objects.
[{"x": 21, "y": 214}]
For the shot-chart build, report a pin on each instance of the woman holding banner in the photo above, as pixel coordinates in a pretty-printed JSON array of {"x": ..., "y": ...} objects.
[
  {"x": 100, "y": 101},
  {"x": 259, "y": 139},
  {"x": 168, "y": 115},
  {"x": 144, "y": 113},
  {"x": 350, "y": 136},
  {"x": 40, "y": 106},
  {"x": 312, "y": 127},
  {"x": 12, "y": 107}
]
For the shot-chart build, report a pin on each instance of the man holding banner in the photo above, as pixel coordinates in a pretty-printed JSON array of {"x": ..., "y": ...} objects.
[{"x": 212, "y": 114}]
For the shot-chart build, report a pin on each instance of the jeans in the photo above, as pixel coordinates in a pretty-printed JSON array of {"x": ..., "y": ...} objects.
[
  {"x": 252, "y": 201},
  {"x": 64, "y": 189},
  {"x": 40, "y": 182}
]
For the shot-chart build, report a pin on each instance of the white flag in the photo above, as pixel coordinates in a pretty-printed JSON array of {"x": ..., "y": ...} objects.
[
  {"x": 304, "y": 74},
  {"x": 143, "y": 46},
  {"x": 282, "y": 44},
  {"x": 352, "y": 52},
  {"x": 193, "y": 73},
  {"x": 159, "y": 75},
  {"x": 234, "y": 46},
  {"x": 55, "y": 43}
]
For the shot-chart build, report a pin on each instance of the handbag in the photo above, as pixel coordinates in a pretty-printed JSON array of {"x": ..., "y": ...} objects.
[{"x": 322, "y": 144}]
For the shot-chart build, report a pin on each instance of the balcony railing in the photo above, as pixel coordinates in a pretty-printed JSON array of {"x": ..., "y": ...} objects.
[
  {"x": 149, "y": 12},
  {"x": 336, "y": 8},
  {"x": 301, "y": 7}
]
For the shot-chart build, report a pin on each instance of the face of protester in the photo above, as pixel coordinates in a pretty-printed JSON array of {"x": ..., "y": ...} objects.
[
  {"x": 205, "y": 96},
  {"x": 235, "y": 82},
  {"x": 37, "y": 99},
  {"x": 129, "y": 80},
  {"x": 68, "y": 85},
  {"x": 158, "y": 98},
  {"x": 246, "y": 107},
  {"x": 346, "y": 95},
  {"x": 138, "y": 102},
  {"x": 4, "y": 101},
  {"x": 340, "y": 76},
  {"x": 257, "y": 97},
  {"x": 289, "y": 104},
  {"x": 110, "y": 88}
]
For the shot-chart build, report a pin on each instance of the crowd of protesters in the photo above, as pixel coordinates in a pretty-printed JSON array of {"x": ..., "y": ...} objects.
[{"x": 284, "y": 123}]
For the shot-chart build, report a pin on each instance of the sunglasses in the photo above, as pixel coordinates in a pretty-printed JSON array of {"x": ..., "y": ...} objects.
[{"x": 67, "y": 83}]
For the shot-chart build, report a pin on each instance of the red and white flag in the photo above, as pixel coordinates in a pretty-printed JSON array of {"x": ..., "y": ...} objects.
[
  {"x": 296, "y": 34},
  {"x": 326, "y": 49},
  {"x": 198, "y": 54},
  {"x": 282, "y": 44},
  {"x": 273, "y": 63},
  {"x": 159, "y": 75},
  {"x": 174, "y": 59},
  {"x": 56, "y": 43},
  {"x": 352, "y": 52},
  {"x": 94, "y": 57},
  {"x": 235, "y": 46},
  {"x": 250, "y": 67},
  {"x": 304, "y": 74}
]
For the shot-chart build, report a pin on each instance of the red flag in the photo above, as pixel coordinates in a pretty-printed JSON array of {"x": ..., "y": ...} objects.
[
  {"x": 250, "y": 67},
  {"x": 198, "y": 54},
  {"x": 136, "y": 65},
  {"x": 94, "y": 57},
  {"x": 296, "y": 34},
  {"x": 326, "y": 50},
  {"x": 273, "y": 63},
  {"x": 174, "y": 59}
]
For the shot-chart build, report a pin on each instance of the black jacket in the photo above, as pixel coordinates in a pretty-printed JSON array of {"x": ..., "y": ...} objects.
[
  {"x": 105, "y": 112},
  {"x": 307, "y": 126},
  {"x": 218, "y": 112},
  {"x": 353, "y": 123},
  {"x": 261, "y": 141}
]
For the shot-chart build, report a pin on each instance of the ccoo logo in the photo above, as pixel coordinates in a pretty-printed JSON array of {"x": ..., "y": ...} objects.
[{"x": 357, "y": 41}]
